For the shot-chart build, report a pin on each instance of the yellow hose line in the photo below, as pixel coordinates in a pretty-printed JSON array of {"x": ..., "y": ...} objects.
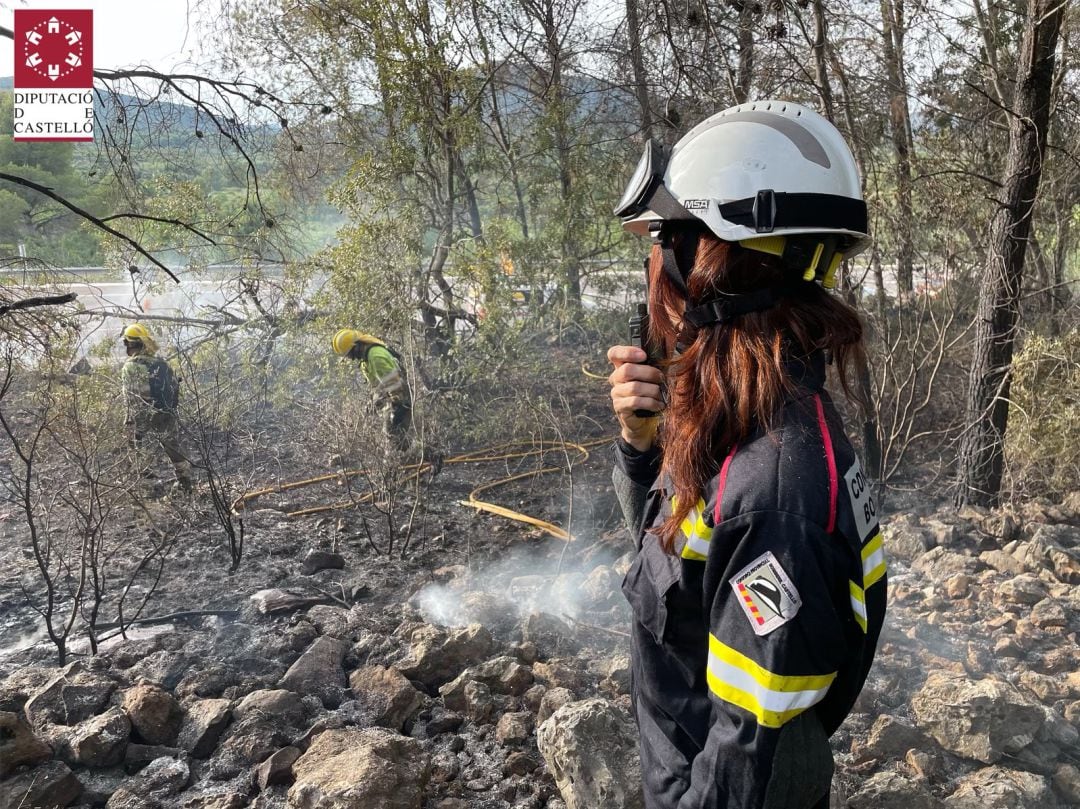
[
  {"x": 241, "y": 501},
  {"x": 543, "y": 525},
  {"x": 585, "y": 370},
  {"x": 489, "y": 458},
  {"x": 476, "y": 456},
  {"x": 365, "y": 498},
  {"x": 502, "y": 511},
  {"x": 465, "y": 457},
  {"x": 284, "y": 487},
  {"x": 547, "y": 527},
  {"x": 596, "y": 442},
  {"x": 532, "y": 473},
  {"x": 479, "y": 456},
  {"x": 306, "y": 512}
]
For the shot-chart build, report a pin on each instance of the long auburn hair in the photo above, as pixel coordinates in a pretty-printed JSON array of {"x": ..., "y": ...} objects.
[{"x": 730, "y": 379}]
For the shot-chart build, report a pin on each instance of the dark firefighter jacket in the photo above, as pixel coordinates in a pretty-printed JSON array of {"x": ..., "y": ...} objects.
[{"x": 752, "y": 641}]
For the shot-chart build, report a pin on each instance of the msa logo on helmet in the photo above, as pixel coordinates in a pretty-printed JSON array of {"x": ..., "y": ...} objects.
[{"x": 696, "y": 205}]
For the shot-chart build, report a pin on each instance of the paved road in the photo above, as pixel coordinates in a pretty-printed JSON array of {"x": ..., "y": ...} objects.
[{"x": 191, "y": 298}]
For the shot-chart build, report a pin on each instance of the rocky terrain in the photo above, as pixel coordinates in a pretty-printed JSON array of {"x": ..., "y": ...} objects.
[{"x": 499, "y": 678}]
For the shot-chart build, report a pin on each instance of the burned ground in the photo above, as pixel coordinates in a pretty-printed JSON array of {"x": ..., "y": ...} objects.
[{"x": 485, "y": 663}]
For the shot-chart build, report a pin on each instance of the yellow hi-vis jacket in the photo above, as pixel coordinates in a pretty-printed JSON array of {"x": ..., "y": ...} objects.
[{"x": 383, "y": 372}]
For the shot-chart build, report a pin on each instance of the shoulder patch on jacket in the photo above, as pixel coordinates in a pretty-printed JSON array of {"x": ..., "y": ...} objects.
[
  {"x": 766, "y": 594},
  {"x": 862, "y": 500}
]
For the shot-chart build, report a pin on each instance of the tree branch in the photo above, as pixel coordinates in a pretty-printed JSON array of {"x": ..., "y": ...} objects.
[
  {"x": 120, "y": 314},
  {"x": 163, "y": 221},
  {"x": 89, "y": 217},
  {"x": 30, "y": 303},
  {"x": 457, "y": 314}
]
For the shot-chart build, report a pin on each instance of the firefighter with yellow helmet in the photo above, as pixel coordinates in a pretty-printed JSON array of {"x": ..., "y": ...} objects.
[
  {"x": 151, "y": 395},
  {"x": 382, "y": 368}
]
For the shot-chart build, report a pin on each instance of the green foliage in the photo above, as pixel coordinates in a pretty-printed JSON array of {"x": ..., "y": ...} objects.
[
  {"x": 166, "y": 172},
  {"x": 46, "y": 229},
  {"x": 1043, "y": 446},
  {"x": 482, "y": 178},
  {"x": 376, "y": 262}
]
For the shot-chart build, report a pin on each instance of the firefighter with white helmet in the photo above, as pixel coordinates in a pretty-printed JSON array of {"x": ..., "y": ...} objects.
[
  {"x": 773, "y": 176},
  {"x": 758, "y": 590},
  {"x": 382, "y": 368},
  {"x": 151, "y": 395}
]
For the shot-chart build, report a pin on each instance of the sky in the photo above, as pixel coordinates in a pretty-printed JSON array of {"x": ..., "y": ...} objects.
[{"x": 126, "y": 32}]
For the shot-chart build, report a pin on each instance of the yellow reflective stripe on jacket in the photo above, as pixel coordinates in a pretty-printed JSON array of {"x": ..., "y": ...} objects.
[
  {"x": 773, "y": 699},
  {"x": 695, "y": 530},
  {"x": 858, "y": 604},
  {"x": 873, "y": 561}
]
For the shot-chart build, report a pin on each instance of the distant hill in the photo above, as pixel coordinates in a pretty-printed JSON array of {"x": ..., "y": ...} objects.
[{"x": 147, "y": 120}]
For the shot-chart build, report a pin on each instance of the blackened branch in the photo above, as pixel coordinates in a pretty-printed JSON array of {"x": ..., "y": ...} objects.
[{"x": 31, "y": 303}]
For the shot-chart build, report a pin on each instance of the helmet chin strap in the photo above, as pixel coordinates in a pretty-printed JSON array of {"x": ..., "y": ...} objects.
[
  {"x": 725, "y": 308},
  {"x": 675, "y": 260},
  {"x": 722, "y": 308}
]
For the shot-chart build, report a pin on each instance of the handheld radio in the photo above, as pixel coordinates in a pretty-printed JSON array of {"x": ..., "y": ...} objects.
[{"x": 639, "y": 336}]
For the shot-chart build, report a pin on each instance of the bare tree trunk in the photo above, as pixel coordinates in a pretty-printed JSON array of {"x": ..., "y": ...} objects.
[
  {"x": 555, "y": 100},
  {"x": 981, "y": 461},
  {"x": 569, "y": 242},
  {"x": 507, "y": 147},
  {"x": 1059, "y": 296},
  {"x": 821, "y": 62},
  {"x": 745, "y": 79},
  {"x": 863, "y": 382},
  {"x": 988, "y": 28},
  {"x": 439, "y": 342},
  {"x": 499, "y": 132},
  {"x": 472, "y": 205},
  {"x": 637, "y": 62},
  {"x": 892, "y": 31}
]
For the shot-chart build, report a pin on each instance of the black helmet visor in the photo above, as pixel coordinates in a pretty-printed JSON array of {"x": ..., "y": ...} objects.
[
  {"x": 647, "y": 192},
  {"x": 648, "y": 174}
]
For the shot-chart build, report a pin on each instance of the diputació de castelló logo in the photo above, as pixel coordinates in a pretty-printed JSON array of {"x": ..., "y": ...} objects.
[{"x": 54, "y": 75}]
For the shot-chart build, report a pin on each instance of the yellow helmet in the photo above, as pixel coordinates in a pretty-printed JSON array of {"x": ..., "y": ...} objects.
[
  {"x": 345, "y": 339},
  {"x": 137, "y": 331}
]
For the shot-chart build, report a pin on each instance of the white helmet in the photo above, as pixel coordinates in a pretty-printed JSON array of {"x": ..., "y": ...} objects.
[{"x": 751, "y": 174}]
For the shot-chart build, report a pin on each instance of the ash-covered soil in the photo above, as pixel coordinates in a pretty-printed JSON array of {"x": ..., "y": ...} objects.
[{"x": 485, "y": 664}]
